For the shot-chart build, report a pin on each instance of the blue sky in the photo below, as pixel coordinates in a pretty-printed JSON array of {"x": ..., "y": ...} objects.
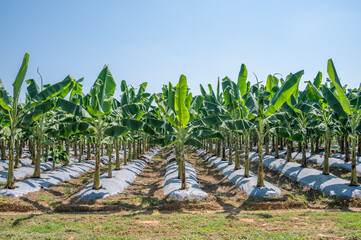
[{"x": 156, "y": 41}]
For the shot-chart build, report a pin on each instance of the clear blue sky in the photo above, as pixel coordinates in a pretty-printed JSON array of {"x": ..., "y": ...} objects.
[{"x": 156, "y": 41}]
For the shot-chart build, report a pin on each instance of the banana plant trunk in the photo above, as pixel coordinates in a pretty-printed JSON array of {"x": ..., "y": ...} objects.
[
  {"x": 304, "y": 160},
  {"x": 88, "y": 150},
  {"x": 183, "y": 180},
  {"x": 144, "y": 149},
  {"x": 110, "y": 165},
  {"x": 299, "y": 147},
  {"x": 353, "y": 164},
  {"x": 80, "y": 150},
  {"x": 317, "y": 150},
  {"x": 129, "y": 151},
  {"x": 237, "y": 161},
  {"x": 179, "y": 160},
  {"x": 260, "y": 179},
  {"x": 96, "y": 184},
  {"x": 134, "y": 150},
  {"x": 289, "y": 151},
  {"x": 67, "y": 145},
  {"x": 36, "y": 173},
  {"x": 53, "y": 166},
  {"x": 139, "y": 149},
  {"x": 17, "y": 156},
  {"x": 277, "y": 154},
  {"x": 342, "y": 144},
  {"x": 246, "y": 157},
  {"x": 75, "y": 147},
  {"x": 125, "y": 159},
  {"x": 224, "y": 151},
  {"x": 347, "y": 149},
  {"x": 326, "y": 167},
  {"x": 22, "y": 145},
  {"x": 117, "y": 158},
  {"x": 10, "y": 184},
  {"x": 230, "y": 149},
  {"x": 218, "y": 148},
  {"x": 267, "y": 144},
  {"x": 280, "y": 143},
  {"x": 3, "y": 155},
  {"x": 33, "y": 151}
]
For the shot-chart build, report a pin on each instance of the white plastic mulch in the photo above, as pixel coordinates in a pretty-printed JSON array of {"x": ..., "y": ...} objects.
[
  {"x": 332, "y": 161},
  {"x": 28, "y": 170},
  {"x": 48, "y": 179},
  {"x": 121, "y": 178},
  {"x": 247, "y": 184},
  {"x": 172, "y": 185},
  {"x": 309, "y": 177}
]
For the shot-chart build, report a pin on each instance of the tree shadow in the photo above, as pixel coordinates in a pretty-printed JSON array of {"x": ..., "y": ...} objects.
[{"x": 19, "y": 220}]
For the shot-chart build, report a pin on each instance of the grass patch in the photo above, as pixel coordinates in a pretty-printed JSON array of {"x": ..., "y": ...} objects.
[{"x": 247, "y": 225}]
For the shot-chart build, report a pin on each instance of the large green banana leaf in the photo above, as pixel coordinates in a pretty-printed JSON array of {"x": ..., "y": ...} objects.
[
  {"x": 5, "y": 102},
  {"x": 33, "y": 88},
  {"x": 289, "y": 134},
  {"x": 284, "y": 93},
  {"x": 238, "y": 124},
  {"x": 134, "y": 125},
  {"x": 336, "y": 81},
  {"x": 72, "y": 108},
  {"x": 20, "y": 78},
  {"x": 102, "y": 93},
  {"x": 115, "y": 131},
  {"x": 269, "y": 83},
  {"x": 242, "y": 80},
  {"x": 317, "y": 81},
  {"x": 313, "y": 93},
  {"x": 180, "y": 102},
  {"x": 56, "y": 90},
  {"x": 333, "y": 102}
]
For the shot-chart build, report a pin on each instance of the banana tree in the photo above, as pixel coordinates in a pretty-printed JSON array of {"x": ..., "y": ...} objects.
[
  {"x": 178, "y": 108},
  {"x": 235, "y": 95},
  {"x": 340, "y": 103},
  {"x": 10, "y": 108},
  {"x": 44, "y": 101},
  {"x": 258, "y": 107},
  {"x": 212, "y": 113},
  {"x": 329, "y": 110},
  {"x": 99, "y": 105},
  {"x": 56, "y": 154}
]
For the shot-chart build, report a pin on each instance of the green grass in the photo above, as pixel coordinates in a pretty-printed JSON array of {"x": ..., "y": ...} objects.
[{"x": 251, "y": 225}]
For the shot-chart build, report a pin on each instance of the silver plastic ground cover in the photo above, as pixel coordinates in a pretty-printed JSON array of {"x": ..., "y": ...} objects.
[
  {"x": 24, "y": 160},
  {"x": 342, "y": 156},
  {"x": 48, "y": 179},
  {"x": 237, "y": 178},
  {"x": 121, "y": 178},
  {"x": 333, "y": 162},
  {"x": 28, "y": 170},
  {"x": 309, "y": 177},
  {"x": 4, "y": 164},
  {"x": 172, "y": 185}
]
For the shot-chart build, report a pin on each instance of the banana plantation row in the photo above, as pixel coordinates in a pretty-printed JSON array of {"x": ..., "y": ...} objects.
[{"x": 238, "y": 115}]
